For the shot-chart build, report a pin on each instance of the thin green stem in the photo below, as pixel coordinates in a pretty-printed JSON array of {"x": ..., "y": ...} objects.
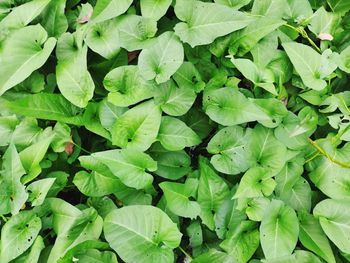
[
  {"x": 312, "y": 157},
  {"x": 185, "y": 253},
  {"x": 81, "y": 148},
  {"x": 323, "y": 152},
  {"x": 304, "y": 34}
]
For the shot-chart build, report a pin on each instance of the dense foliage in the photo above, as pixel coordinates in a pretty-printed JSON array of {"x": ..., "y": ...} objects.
[{"x": 164, "y": 131}]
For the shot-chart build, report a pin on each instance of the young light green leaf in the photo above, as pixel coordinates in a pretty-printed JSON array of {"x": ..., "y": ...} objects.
[
  {"x": 204, "y": 22},
  {"x": 154, "y": 9},
  {"x": 73, "y": 78},
  {"x": 177, "y": 197},
  {"x": 125, "y": 230},
  {"x": 228, "y": 107},
  {"x": 103, "y": 38},
  {"x": 38, "y": 190},
  {"x": 299, "y": 196},
  {"x": 256, "y": 182},
  {"x": 136, "y": 32},
  {"x": 279, "y": 230},
  {"x": 129, "y": 166},
  {"x": 138, "y": 127},
  {"x": 266, "y": 151},
  {"x": 236, "y": 4},
  {"x": 307, "y": 63},
  {"x": 174, "y": 100},
  {"x": 23, "y": 51},
  {"x": 34, "y": 154},
  {"x": 228, "y": 147},
  {"x": 162, "y": 59},
  {"x": 175, "y": 135},
  {"x": 107, "y": 9},
  {"x": 244, "y": 40},
  {"x": 126, "y": 86}
]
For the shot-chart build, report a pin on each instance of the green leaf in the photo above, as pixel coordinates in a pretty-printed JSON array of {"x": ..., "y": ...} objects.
[
  {"x": 259, "y": 77},
  {"x": 299, "y": 196},
  {"x": 341, "y": 6},
  {"x": 13, "y": 191},
  {"x": 200, "y": 28},
  {"x": 7, "y": 128},
  {"x": 298, "y": 9},
  {"x": 129, "y": 166},
  {"x": 212, "y": 191},
  {"x": 177, "y": 197},
  {"x": 38, "y": 190},
  {"x": 187, "y": 76},
  {"x": 299, "y": 256},
  {"x": 126, "y": 86},
  {"x": 174, "y": 100},
  {"x": 34, "y": 154},
  {"x": 312, "y": 237},
  {"x": 23, "y": 51},
  {"x": 256, "y": 182},
  {"x": 73, "y": 78},
  {"x": 242, "y": 242},
  {"x": 125, "y": 230},
  {"x": 47, "y": 107},
  {"x": 53, "y": 18},
  {"x": 18, "y": 234},
  {"x": 103, "y": 38},
  {"x": 279, "y": 230},
  {"x": 211, "y": 256},
  {"x": 161, "y": 60},
  {"x": 154, "y": 9},
  {"x": 138, "y": 127},
  {"x": 244, "y": 40},
  {"x": 307, "y": 63},
  {"x": 96, "y": 184},
  {"x": 136, "y": 32},
  {"x": 228, "y": 107},
  {"x": 329, "y": 177},
  {"x": 236, "y": 4},
  {"x": 62, "y": 137},
  {"x": 266, "y": 151},
  {"x": 108, "y": 113},
  {"x": 34, "y": 253},
  {"x": 334, "y": 218},
  {"x": 324, "y": 22},
  {"x": 22, "y": 15},
  {"x": 87, "y": 225},
  {"x": 107, "y": 9},
  {"x": 171, "y": 165},
  {"x": 94, "y": 255},
  {"x": 175, "y": 135}
]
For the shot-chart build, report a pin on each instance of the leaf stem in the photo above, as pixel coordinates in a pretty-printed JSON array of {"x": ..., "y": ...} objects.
[
  {"x": 81, "y": 148},
  {"x": 312, "y": 157},
  {"x": 185, "y": 253},
  {"x": 304, "y": 34},
  {"x": 323, "y": 152}
]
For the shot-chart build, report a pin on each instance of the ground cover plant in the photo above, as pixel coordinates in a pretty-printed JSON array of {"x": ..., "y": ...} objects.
[{"x": 164, "y": 131}]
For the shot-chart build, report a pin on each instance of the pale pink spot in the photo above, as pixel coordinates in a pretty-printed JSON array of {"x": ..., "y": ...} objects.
[
  {"x": 325, "y": 36},
  {"x": 85, "y": 18}
]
